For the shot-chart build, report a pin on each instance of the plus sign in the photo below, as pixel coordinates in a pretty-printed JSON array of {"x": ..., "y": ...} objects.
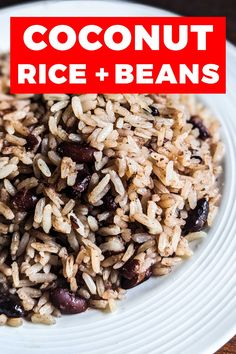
[{"x": 102, "y": 74}]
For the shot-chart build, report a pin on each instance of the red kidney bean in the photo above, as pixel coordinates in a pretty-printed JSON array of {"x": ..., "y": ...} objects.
[
  {"x": 11, "y": 309},
  {"x": 31, "y": 142},
  {"x": 77, "y": 152},
  {"x": 81, "y": 184},
  {"x": 131, "y": 275},
  {"x": 198, "y": 123},
  {"x": 109, "y": 202},
  {"x": 67, "y": 302},
  {"x": 197, "y": 217},
  {"x": 72, "y": 193},
  {"x": 130, "y": 269},
  {"x": 155, "y": 111},
  {"x": 24, "y": 200},
  {"x": 82, "y": 180},
  {"x": 136, "y": 280},
  {"x": 10, "y": 304}
]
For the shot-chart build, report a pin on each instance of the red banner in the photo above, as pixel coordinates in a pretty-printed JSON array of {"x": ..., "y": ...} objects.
[{"x": 118, "y": 54}]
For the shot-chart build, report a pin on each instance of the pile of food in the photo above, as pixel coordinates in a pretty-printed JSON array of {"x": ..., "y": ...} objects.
[{"x": 97, "y": 193}]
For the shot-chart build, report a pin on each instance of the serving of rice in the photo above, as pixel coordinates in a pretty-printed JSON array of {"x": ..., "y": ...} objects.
[{"x": 98, "y": 192}]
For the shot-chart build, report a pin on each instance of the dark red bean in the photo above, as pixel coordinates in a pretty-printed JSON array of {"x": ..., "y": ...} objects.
[
  {"x": 81, "y": 184},
  {"x": 155, "y": 111},
  {"x": 72, "y": 193},
  {"x": 77, "y": 152},
  {"x": 32, "y": 141},
  {"x": 136, "y": 280},
  {"x": 136, "y": 227},
  {"x": 25, "y": 200},
  {"x": 198, "y": 123},
  {"x": 11, "y": 309},
  {"x": 133, "y": 226},
  {"x": 10, "y": 305},
  {"x": 109, "y": 202},
  {"x": 61, "y": 239},
  {"x": 131, "y": 275},
  {"x": 197, "y": 217},
  {"x": 67, "y": 302},
  {"x": 130, "y": 269},
  {"x": 82, "y": 180}
]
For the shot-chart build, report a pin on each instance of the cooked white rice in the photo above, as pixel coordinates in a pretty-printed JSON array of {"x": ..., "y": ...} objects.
[{"x": 97, "y": 193}]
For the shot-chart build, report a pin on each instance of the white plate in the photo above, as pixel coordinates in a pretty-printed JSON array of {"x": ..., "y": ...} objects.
[{"x": 193, "y": 310}]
